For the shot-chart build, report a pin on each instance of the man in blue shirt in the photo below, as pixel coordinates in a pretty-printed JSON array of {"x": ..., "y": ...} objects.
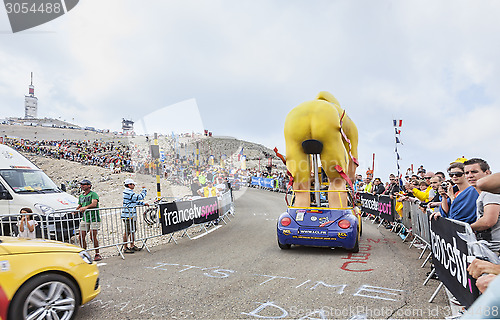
[{"x": 129, "y": 213}]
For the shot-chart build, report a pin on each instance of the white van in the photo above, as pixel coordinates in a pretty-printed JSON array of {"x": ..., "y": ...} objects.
[{"x": 22, "y": 184}]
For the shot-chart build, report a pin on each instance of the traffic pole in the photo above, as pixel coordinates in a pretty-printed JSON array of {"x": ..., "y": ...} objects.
[
  {"x": 157, "y": 163},
  {"x": 197, "y": 154}
]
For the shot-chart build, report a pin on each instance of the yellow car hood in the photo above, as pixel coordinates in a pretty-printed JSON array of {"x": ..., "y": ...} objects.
[{"x": 10, "y": 245}]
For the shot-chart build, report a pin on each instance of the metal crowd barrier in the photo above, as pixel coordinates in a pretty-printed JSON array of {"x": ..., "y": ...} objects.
[{"x": 65, "y": 225}]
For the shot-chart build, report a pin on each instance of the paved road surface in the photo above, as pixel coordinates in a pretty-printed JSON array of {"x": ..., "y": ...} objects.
[{"x": 238, "y": 271}]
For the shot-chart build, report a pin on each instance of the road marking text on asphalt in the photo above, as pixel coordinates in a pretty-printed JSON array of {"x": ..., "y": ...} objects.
[{"x": 367, "y": 291}]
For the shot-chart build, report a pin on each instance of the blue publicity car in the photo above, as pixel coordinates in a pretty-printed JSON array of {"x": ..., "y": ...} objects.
[{"x": 319, "y": 225}]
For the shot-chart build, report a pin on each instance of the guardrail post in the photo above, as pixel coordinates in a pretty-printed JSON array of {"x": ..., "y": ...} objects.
[{"x": 436, "y": 292}]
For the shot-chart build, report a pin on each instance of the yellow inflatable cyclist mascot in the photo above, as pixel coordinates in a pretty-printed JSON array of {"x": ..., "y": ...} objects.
[{"x": 324, "y": 120}]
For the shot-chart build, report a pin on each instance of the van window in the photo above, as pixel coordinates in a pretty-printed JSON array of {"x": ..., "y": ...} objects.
[{"x": 26, "y": 181}]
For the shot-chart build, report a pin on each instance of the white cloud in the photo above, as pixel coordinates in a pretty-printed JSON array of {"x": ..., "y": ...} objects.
[{"x": 182, "y": 117}]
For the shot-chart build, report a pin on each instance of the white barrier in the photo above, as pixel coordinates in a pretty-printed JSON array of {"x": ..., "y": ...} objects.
[{"x": 65, "y": 225}]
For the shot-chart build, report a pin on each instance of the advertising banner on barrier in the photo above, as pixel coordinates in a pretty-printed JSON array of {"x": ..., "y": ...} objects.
[
  {"x": 267, "y": 183},
  {"x": 175, "y": 216},
  {"x": 256, "y": 181},
  {"x": 262, "y": 182},
  {"x": 206, "y": 209},
  {"x": 380, "y": 206},
  {"x": 449, "y": 256},
  {"x": 180, "y": 215}
]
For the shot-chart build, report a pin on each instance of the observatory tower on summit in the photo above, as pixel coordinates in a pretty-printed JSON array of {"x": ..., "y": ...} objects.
[
  {"x": 30, "y": 102},
  {"x": 127, "y": 126}
]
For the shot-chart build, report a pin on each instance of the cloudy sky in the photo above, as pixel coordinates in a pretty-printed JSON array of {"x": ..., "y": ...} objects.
[{"x": 247, "y": 63}]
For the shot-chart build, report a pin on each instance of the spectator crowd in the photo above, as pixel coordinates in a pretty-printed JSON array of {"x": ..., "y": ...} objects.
[
  {"x": 110, "y": 154},
  {"x": 471, "y": 194}
]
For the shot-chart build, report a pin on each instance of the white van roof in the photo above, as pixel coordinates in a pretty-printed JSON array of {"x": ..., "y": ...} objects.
[{"x": 11, "y": 159}]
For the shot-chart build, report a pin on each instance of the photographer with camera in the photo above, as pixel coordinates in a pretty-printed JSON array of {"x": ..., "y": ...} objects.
[
  {"x": 459, "y": 205},
  {"x": 393, "y": 189}
]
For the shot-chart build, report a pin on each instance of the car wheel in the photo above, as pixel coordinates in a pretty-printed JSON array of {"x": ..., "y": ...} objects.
[
  {"x": 356, "y": 245},
  {"x": 47, "y": 296},
  {"x": 283, "y": 246}
]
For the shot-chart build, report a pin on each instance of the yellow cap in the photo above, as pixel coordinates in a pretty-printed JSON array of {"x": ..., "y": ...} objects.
[{"x": 461, "y": 160}]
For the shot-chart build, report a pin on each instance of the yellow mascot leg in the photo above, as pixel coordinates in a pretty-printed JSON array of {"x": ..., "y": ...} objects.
[
  {"x": 320, "y": 119},
  {"x": 297, "y": 162}
]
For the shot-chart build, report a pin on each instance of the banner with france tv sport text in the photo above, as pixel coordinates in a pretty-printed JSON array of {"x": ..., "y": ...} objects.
[
  {"x": 179, "y": 215},
  {"x": 449, "y": 256},
  {"x": 380, "y": 206}
]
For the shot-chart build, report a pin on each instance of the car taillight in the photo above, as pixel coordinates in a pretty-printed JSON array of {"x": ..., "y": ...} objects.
[
  {"x": 285, "y": 222},
  {"x": 344, "y": 224}
]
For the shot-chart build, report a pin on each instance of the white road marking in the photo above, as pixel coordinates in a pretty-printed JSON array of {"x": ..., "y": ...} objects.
[{"x": 204, "y": 234}]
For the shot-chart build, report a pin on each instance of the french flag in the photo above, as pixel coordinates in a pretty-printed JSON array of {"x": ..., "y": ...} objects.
[{"x": 398, "y": 123}]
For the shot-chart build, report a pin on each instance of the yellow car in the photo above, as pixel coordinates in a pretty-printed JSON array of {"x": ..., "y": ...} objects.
[{"x": 42, "y": 279}]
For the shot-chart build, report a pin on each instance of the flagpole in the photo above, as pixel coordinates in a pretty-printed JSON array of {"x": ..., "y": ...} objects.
[
  {"x": 397, "y": 124},
  {"x": 373, "y": 166}
]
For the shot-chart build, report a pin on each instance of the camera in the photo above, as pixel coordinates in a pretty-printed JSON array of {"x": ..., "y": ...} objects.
[{"x": 444, "y": 185}]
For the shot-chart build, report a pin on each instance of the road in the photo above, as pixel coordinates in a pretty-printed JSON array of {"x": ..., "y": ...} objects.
[{"x": 238, "y": 272}]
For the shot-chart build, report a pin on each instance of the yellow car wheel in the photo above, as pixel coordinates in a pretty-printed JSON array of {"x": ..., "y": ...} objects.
[{"x": 46, "y": 296}]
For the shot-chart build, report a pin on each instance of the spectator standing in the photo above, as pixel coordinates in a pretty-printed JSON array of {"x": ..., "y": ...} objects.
[
  {"x": 202, "y": 179},
  {"x": 195, "y": 186},
  {"x": 409, "y": 172},
  {"x": 210, "y": 176},
  {"x": 222, "y": 185},
  {"x": 435, "y": 202},
  {"x": 485, "y": 272},
  {"x": 88, "y": 202},
  {"x": 422, "y": 191},
  {"x": 461, "y": 205},
  {"x": 129, "y": 214},
  {"x": 393, "y": 188},
  {"x": 359, "y": 180},
  {"x": 209, "y": 190},
  {"x": 27, "y": 225},
  {"x": 378, "y": 187},
  {"x": 421, "y": 171},
  {"x": 368, "y": 185},
  {"x": 487, "y": 226},
  {"x": 441, "y": 174}
]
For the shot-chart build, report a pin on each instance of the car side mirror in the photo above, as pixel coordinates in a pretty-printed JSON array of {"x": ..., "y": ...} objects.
[{"x": 63, "y": 187}]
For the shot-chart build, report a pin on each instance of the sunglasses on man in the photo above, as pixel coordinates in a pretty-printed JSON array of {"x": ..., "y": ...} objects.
[{"x": 455, "y": 174}]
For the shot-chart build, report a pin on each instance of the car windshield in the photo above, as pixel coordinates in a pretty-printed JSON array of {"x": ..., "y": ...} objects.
[{"x": 26, "y": 181}]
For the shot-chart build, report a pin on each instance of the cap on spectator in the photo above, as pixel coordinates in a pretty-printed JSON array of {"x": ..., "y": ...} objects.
[
  {"x": 129, "y": 181},
  {"x": 461, "y": 160},
  {"x": 86, "y": 181}
]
